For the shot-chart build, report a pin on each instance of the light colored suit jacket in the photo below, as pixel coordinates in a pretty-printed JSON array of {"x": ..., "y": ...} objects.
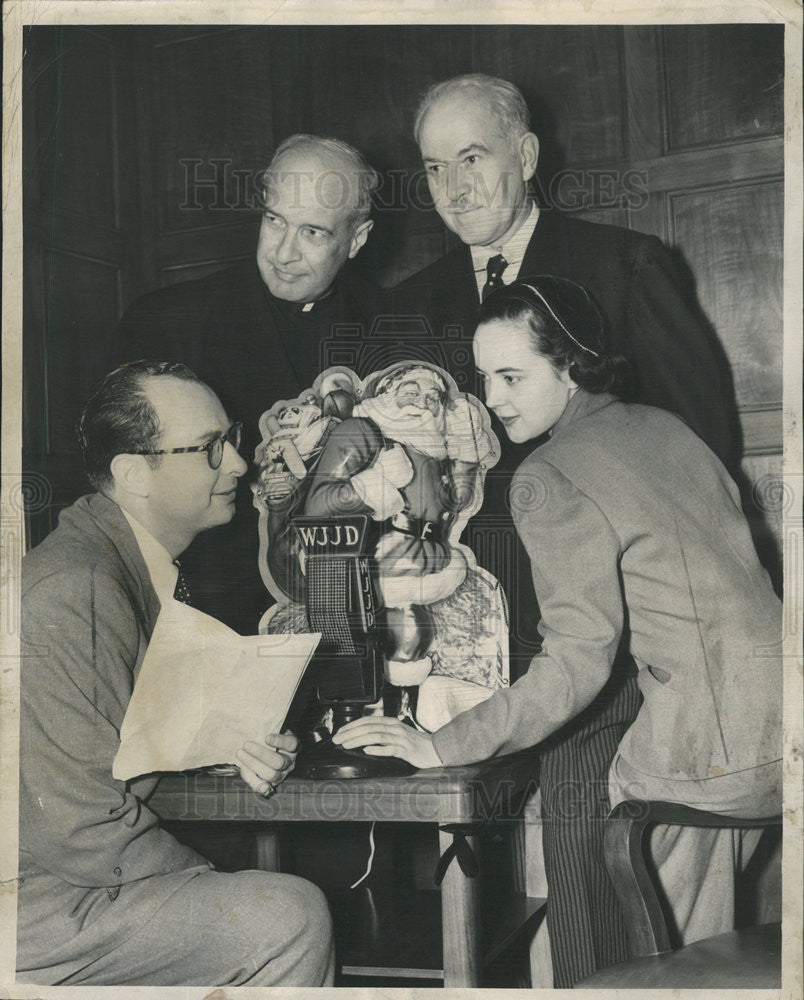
[
  {"x": 88, "y": 610},
  {"x": 634, "y": 529}
]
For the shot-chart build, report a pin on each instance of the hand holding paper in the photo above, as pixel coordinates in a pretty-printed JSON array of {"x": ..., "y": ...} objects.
[
  {"x": 264, "y": 765},
  {"x": 204, "y": 692}
]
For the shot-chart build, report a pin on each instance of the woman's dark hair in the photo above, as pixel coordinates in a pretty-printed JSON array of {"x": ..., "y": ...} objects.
[
  {"x": 565, "y": 326},
  {"x": 119, "y": 419}
]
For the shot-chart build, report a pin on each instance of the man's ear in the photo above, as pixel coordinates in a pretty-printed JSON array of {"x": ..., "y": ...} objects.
[
  {"x": 130, "y": 474},
  {"x": 528, "y": 155},
  {"x": 360, "y": 236}
]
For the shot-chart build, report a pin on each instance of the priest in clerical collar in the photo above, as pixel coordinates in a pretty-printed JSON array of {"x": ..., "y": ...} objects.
[{"x": 264, "y": 328}]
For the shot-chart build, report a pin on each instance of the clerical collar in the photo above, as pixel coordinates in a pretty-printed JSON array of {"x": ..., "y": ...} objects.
[
  {"x": 302, "y": 308},
  {"x": 513, "y": 249}
]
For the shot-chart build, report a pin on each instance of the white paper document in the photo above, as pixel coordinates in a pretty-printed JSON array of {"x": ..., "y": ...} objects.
[{"x": 203, "y": 690}]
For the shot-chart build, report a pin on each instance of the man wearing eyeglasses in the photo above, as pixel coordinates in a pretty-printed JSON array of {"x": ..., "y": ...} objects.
[{"x": 107, "y": 897}]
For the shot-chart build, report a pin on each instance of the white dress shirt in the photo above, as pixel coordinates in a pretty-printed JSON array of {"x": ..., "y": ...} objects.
[
  {"x": 512, "y": 248},
  {"x": 161, "y": 568}
]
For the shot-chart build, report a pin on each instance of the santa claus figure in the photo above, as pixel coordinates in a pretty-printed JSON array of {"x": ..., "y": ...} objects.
[{"x": 410, "y": 458}]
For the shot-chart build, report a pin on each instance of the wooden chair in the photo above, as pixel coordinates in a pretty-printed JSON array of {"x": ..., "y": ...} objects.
[{"x": 749, "y": 958}]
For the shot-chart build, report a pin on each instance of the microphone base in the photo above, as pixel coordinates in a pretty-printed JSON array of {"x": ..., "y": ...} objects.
[{"x": 325, "y": 760}]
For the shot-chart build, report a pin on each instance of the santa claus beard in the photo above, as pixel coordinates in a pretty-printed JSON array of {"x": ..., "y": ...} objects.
[{"x": 407, "y": 425}]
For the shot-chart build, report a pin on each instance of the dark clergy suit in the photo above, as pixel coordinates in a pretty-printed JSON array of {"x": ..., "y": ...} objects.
[
  {"x": 252, "y": 349},
  {"x": 677, "y": 364},
  {"x": 106, "y": 896}
]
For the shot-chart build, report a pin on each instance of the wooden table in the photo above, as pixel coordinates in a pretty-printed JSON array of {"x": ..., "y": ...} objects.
[{"x": 458, "y": 800}]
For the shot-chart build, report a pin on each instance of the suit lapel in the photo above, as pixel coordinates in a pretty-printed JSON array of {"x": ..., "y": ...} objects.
[
  {"x": 113, "y": 523},
  {"x": 547, "y": 252},
  {"x": 466, "y": 286}
]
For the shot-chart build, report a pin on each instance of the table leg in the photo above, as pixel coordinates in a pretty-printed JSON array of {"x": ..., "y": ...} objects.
[
  {"x": 460, "y": 920},
  {"x": 541, "y": 965},
  {"x": 266, "y": 845}
]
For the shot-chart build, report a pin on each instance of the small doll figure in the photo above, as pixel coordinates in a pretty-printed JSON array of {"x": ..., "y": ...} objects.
[
  {"x": 293, "y": 437},
  {"x": 296, "y": 434}
]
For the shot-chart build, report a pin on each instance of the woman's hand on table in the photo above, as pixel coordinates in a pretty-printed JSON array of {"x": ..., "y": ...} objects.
[
  {"x": 387, "y": 737},
  {"x": 264, "y": 765}
]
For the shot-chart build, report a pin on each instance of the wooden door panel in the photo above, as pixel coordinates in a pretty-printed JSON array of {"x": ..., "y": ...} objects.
[
  {"x": 73, "y": 142},
  {"x": 75, "y": 250},
  {"x": 212, "y": 127},
  {"x": 82, "y": 308},
  {"x": 732, "y": 236},
  {"x": 724, "y": 83},
  {"x": 572, "y": 80}
]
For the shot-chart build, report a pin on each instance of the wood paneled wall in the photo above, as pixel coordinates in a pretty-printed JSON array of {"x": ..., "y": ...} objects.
[
  {"x": 81, "y": 242},
  {"x": 143, "y": 147}
]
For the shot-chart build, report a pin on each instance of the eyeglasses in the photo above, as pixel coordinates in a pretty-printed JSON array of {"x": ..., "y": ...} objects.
[{"x": 213, "y": 448}]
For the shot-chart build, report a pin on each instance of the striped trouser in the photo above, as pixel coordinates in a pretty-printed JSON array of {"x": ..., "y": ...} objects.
[{"x": 587, "y": 930}]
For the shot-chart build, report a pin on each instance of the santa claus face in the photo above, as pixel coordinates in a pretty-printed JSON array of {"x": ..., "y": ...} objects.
[
  {"x": 416, "y": 404},
  {"x": 419, "y": 395},
  {"x": 410, "y": 408}
]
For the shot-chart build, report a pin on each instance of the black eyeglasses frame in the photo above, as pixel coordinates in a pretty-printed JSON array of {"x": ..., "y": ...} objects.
[{"x": 214, "y": 447}]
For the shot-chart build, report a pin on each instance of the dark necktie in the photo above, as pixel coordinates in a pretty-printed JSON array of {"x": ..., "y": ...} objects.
[
  {"x": 181, "y": 591},
  {"x": 494, "y": 269}
]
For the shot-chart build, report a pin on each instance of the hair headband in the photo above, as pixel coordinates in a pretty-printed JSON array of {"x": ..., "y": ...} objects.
[{"x": 540, "y": 296}]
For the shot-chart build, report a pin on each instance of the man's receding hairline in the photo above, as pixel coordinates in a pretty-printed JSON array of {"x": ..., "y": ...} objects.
[
  {"x": 340, "y": 163},
  {"x": 465, "y": 96},
  {"x": 316, "y": 153},
  {"x": 146, "y": 381},
  {"x": 504, "y": 99}
]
